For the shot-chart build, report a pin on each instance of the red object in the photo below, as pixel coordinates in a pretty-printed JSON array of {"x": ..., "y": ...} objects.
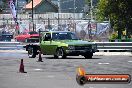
[
  {"x": 26, "y": 35},
  {"x": 21, "y": 69},
  {"x": 17, "y": 27}
]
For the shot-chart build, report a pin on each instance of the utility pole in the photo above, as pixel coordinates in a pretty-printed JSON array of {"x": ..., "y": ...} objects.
[
  {"x": 16, "y": 19},
  {"x": 74, "y": 8},
  {"x": 58, "y": 13},
  {"x": 16, "y": 4},
  {"x": 91, "y": 13},
  {"x": 91, "y": 10},
  {"x": 74, "y": 15},
  {"x": 49, "y": 24},
  {"x": 32, "y": 16}
]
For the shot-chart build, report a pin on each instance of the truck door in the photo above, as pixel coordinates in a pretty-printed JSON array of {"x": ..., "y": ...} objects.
[{"x": 46, "y": 44}]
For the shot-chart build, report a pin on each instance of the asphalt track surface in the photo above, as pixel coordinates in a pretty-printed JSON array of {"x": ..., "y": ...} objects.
[{"x": 59, "y": 73}]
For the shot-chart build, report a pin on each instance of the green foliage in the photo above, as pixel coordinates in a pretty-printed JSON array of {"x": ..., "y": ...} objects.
[
  {"x": 101, "y": 12},
  {"x": 0, "y": 9},
  {"x": 29, "y": 1},
  {"x": 4, "y": 5},
  {"x": 118, "y": 12},
  {"x": 87, "y": 2},
  {"x": 114, "y": 36}
]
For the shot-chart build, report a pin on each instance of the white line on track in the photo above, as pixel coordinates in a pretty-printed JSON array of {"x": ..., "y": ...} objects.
[
  {"x": 37, "y": 69},
  {"x": 50, "y": 76},
  {"x": 129, "y": 61},
  {"x": 104, "y": 63}
]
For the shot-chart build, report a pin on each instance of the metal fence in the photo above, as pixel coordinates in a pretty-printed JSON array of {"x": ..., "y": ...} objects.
[
  {"x": 66, "y": 21},
  {"x": 52, "y": 19},
  {"x": 40, "y": 18},
  {"x": 11, "y": 46},
  {"x": 114, "y": 46},
  {"x": 101, "y": 46}
]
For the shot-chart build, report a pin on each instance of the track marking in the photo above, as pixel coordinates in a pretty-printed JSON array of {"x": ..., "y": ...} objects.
[
  {"x": 37, "y": 69},
  {"x": 50, "y": 76},
  {"x": 130, "y": 61},
  {"x": 75, "y": 65},
  {"x": 104, "y": 63}
]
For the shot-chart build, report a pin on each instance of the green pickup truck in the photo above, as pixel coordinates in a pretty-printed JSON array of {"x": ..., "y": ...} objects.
[{"x": 62, "y": 44}]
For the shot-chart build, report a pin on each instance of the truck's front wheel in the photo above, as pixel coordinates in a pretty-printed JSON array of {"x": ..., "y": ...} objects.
[
  {"x": 31, "y": 52},
  {"x": 88, "y": 56}
]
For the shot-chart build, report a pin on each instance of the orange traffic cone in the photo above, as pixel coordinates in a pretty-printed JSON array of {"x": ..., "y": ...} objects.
[
  {"x": 40, "y": 58},
  {"x": 21, "y": 69}
]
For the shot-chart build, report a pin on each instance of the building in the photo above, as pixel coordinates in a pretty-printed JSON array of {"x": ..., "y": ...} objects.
[
  {"x": 70, "y": 6},
  {"x": 40, "y": 7},
  {"x": 65, "y": 6}
]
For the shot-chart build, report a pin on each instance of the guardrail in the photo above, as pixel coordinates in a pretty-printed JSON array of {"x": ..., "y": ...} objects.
[
  {"x": 11, "y": 46},
  {"x": 101, "y": 46},
  {"x": 114, "y": 46}
]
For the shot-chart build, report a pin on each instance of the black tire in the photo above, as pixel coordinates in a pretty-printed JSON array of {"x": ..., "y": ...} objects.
[
  {"x": 81, "y": 80},
  {"x": 31, "y": 52},
  {"x": 88, "y": 56},
  {"x": 60, "y": 53}
]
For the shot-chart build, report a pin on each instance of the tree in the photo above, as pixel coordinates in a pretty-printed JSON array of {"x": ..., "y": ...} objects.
[
  {"x": 92, "y": 8},
  {"x": 1, "y": 9},
  {"x": 28, "y": 1},
  {"x": 3, "y": 5},
  {"x": 118, "y": 12},
  {"x": 87, "y": 2}
]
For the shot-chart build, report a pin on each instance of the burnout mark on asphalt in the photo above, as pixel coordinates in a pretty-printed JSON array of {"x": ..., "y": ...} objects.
[{"x": 104, "y": 63}]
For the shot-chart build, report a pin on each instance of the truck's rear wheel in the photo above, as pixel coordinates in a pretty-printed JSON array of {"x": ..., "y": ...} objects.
[
  {"x": 60, "y": 53},
  {"x": 31, "y": 52}
]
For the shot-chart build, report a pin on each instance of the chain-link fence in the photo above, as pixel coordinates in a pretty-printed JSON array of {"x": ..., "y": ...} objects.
[{"x": 85, "y": 29}]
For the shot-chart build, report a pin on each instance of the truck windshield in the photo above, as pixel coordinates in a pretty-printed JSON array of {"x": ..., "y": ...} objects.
[{"x": 64, "y": 36}]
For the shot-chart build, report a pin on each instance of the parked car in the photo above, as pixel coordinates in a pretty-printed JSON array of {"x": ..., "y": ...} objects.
[
  {"x": 61, "y": 44},
  {"x": 25, "y": 37},
  {"x": 6, "y": 36},
  {"x": 0, "y": 36}
]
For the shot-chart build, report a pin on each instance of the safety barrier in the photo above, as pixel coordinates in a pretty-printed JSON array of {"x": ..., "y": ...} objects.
[
  {"x": 114, "y": 46},
  {"x": 101, "y": 46},
  {"x": 10, "y": 46}
]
